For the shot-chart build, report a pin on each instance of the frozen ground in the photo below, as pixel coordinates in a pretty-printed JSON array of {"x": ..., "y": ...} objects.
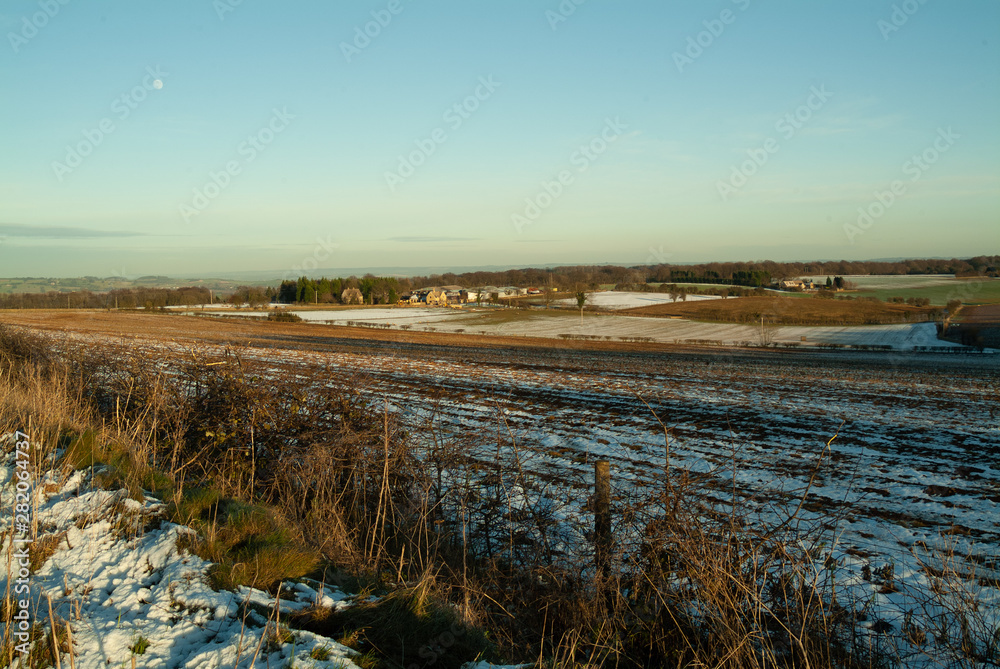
[
  {"x": 868, "y": 282},
  {"x": 681, "y": 331},
  {"x": 627, "y": 300},
  {"x": 117, "y": 576},
  {"x": 568, "y": 324},
  {"x": 113, "y": 584}
]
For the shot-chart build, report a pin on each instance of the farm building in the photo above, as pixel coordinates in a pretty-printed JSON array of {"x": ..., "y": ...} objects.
[
  {"x": 352, "y": 296},
  {"x": 436, "y": 297}
]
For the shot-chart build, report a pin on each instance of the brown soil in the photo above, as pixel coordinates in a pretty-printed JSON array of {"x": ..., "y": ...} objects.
[
  {"x": 987, "y": 313},
  {"x": 977, "y": 326},
  {"x": 789, "y": 311},
  {"x": 263, "y": 333}
]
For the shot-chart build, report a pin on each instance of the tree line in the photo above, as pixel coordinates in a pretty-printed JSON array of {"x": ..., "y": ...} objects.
[
  {"x": 750, "y": 274},
  {"x": 118, "y": 298},
  {"x": 374, "y": 290}
]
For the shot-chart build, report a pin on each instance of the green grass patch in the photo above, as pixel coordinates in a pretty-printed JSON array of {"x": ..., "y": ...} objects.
[
  {"x": 251, "y": 545},
  {"x": 939, "y": 291},
  {"x": 139, "y": 646},
  {"x": 84, "y": 450},
  {"x": 117, "y": 467},
  {"x": 410, "y": 625}
]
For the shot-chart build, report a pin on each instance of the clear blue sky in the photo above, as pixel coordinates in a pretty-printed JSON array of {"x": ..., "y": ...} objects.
[{"x": 330, "y": 124}]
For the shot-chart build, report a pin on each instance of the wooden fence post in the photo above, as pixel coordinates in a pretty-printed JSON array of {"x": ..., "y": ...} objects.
[{"x": 602, "y": 516}]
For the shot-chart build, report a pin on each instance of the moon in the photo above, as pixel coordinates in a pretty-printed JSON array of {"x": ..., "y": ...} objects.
[{"x": 157, "y": 84}]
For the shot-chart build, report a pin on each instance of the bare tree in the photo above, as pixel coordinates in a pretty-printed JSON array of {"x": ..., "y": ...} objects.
[{"x": 767, "y": 332}]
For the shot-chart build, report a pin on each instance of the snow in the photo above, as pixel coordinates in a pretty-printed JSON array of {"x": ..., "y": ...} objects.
[
  {"x": 395, "y": 316},
  {"x": 115, "y": 585},
  {"x": 566, "y": 323},
  {"x": 627, "y": 300}
]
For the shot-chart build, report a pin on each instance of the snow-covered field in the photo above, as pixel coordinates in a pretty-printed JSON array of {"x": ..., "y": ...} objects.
[
  {"x": 627, "y": 300},
  {"x": 868, "y": 282},
  {"x": 215, "y": 306},
  {"x": 568, "y": 324},
  {"x": 680, "y": 331},
  {"x": 395, "y": 316}
]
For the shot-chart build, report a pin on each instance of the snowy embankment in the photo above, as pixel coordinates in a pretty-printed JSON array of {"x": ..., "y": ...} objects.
[
  {"x": 121, "y": 588},
  {"x": 128, "y": 595}
]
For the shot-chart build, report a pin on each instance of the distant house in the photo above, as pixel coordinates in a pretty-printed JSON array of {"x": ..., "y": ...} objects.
[
  {"x": 436, "y": 297},
  {"x": 794, "y": 284},
  {"x": 352, "y": 296}
]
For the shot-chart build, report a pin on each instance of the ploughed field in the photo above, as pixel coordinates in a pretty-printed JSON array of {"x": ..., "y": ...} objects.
[
  {"x": 801, "y": 310},
  {"x": 977, "y": 326},
  {"x": 914, "y": 466}
]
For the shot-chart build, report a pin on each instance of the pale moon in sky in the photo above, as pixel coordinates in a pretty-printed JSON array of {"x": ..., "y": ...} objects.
[{"x": 157, "y": 84}]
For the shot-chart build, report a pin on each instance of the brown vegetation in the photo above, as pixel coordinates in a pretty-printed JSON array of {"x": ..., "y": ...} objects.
[{"x": 790, "y": 311}]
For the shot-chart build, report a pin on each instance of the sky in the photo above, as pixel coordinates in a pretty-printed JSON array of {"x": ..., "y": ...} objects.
[{"x": 195, "y": 138}]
